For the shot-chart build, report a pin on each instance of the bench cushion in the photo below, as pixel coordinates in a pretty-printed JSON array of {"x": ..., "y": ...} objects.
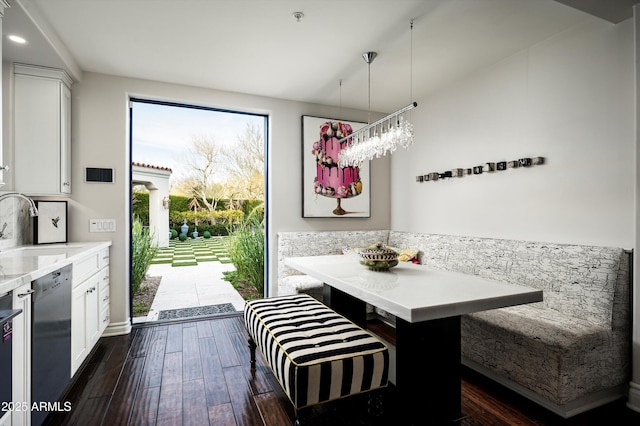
[
  {"x": 294, "y": 284},
  {"x": 316, "y": 354},
  {"x": 555, "y": 355}
]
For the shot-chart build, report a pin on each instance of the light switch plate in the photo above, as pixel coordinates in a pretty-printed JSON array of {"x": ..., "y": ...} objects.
[{"x": 102, "y": 225}]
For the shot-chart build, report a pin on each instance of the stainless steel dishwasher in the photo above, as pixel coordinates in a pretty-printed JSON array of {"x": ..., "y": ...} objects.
[{"x": 51, "y": 339}]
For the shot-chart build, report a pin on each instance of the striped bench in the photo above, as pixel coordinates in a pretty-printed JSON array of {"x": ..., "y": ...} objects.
[{"x": 316, "y": 354}]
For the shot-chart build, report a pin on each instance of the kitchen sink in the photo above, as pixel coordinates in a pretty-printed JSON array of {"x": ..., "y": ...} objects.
[
  {"x": 23, "y": 260},
  {"x": 43, "y": 250},
  {"x": 50, "y": 250}
]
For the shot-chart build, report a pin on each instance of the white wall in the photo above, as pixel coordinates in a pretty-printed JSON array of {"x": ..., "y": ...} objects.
[
  {"x": 569, "y": 99},
  {"x": 100, "y": 139},
  {"x": 634, "y": 386}
]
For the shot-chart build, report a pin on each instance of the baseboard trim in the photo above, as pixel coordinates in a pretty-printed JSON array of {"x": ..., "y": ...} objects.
[
  {"x": 634, "y": 397},
  {"x": 570, "y": 409},
  {"x": 117, "y": 329}
]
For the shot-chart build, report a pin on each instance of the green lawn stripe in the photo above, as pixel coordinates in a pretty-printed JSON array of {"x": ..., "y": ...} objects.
[{"x": 192, "y": 251}]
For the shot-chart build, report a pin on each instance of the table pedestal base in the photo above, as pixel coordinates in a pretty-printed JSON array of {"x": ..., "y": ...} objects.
[{"x": 427, "y": 362}]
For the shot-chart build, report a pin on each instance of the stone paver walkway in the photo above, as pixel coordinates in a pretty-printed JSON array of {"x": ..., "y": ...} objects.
[
  {"x": 195, "y": 285},
  {"x": 192, "y": 276}
]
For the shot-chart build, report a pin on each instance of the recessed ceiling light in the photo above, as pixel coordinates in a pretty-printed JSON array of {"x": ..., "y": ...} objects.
[{"x": 17, "y": 39}]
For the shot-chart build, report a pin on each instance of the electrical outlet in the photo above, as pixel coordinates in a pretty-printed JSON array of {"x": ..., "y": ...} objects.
[{"x": 102, "y": 225}]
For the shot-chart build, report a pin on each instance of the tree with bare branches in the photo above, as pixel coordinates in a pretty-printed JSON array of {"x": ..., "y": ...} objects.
[
  {"x": 244, "y": 163},
  {"x": 204, "y": 161}
]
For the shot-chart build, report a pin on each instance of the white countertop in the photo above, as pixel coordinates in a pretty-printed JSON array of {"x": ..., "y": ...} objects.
[
  {"x": 414, "y": 292},
  {"x": 23, "y": 264}
]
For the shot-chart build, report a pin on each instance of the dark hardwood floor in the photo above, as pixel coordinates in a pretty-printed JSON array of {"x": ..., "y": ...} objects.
[{"x": 197, "y": 373}]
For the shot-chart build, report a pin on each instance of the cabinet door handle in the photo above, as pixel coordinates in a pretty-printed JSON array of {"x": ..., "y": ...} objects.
[
  {"x": 106, "y": 319},
  {"x": 105, "y": 299},
  {"x": 66, "y": 184},
  {"x": 5, "y": 168},
  {"x": 28, "y": 292},
  {"x": 105, "y": 278}
]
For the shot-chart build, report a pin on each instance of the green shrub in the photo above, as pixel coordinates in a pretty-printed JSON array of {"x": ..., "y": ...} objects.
[
  {"x": 250, "y": 205},
  {"x": 140, "y": 207},
  {"x": 225, "y": 217},
  {"x": 246, "y": 250},
  {"x": 174, "y": 233},
  {"x": 143, "y": 251},
  {"x": 218, "y": 229},
  {"x": 206, "y": 234},
  {"x": 182, "y": 237}
]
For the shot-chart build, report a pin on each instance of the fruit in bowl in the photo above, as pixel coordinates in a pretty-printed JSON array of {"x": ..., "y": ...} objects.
[{"x": 378, "y": 257}]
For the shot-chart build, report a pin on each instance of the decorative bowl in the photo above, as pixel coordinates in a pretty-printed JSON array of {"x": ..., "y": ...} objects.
[{"x": 378, "y": 257}]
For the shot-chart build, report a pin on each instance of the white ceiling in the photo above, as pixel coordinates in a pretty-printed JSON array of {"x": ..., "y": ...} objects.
[{"x": 257, "y": 47}]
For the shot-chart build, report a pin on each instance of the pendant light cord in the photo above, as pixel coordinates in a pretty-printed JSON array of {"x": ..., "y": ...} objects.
[
  {"x": 340, "y": 82},
  {"x": 411, "y": 68},
  {"x": 369, "y": 107},
  {"x": 411, "y": 65}
]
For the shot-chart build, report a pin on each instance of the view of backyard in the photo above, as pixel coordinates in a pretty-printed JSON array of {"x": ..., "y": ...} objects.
[{"x": 214, "y": 205}]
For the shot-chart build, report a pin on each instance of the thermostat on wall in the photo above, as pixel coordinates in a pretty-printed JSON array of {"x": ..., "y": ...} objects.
[{"x": 94, "y": 174}]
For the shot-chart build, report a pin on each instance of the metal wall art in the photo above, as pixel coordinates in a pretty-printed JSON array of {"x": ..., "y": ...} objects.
[{"x": 482, "y": 168}]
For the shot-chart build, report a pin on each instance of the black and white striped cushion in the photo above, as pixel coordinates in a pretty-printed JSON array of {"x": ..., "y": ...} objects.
[{"x": 316, "y": 354}]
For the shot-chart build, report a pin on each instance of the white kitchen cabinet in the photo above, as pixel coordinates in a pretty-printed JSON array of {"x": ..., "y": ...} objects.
[
  {"x": 89, "y": 305},
  {"x": 21, "y": 374},
  {"x": 80, "y": 324},
  {"x": 103, "y": 301},
  {"x": 42, "y": 130},
  {"x": 3, "y": 5}
]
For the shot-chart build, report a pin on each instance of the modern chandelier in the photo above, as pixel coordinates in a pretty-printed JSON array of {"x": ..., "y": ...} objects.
[{"x": 385, "y": 135}]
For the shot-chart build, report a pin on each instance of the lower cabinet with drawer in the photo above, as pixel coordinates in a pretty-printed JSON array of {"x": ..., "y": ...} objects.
[{"x": 89, "y": 305}]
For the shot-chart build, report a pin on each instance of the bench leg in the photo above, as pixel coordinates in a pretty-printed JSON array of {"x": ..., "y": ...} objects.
[
  {"x": 302, "y": 416},
  {"x": 374, "y": 404},
  {"x": 252, "y": 351}
]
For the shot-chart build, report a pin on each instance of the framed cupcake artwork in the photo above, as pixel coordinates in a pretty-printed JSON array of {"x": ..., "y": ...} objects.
[{"x": 329, "y": 190}]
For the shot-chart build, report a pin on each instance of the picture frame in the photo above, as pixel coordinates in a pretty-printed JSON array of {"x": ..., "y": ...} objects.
[
  {"x": 50, "y": 226},
  {"x": 329, "y": 191}
]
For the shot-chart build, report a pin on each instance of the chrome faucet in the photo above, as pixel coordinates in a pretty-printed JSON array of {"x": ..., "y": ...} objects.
[{"x": 33, "y": 210}]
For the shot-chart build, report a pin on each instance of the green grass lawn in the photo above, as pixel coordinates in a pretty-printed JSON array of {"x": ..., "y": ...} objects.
[{"x": 192, "y": 251}]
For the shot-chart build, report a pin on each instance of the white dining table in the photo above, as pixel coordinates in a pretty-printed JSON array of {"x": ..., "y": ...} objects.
[{"x": 427, "y": 304}]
